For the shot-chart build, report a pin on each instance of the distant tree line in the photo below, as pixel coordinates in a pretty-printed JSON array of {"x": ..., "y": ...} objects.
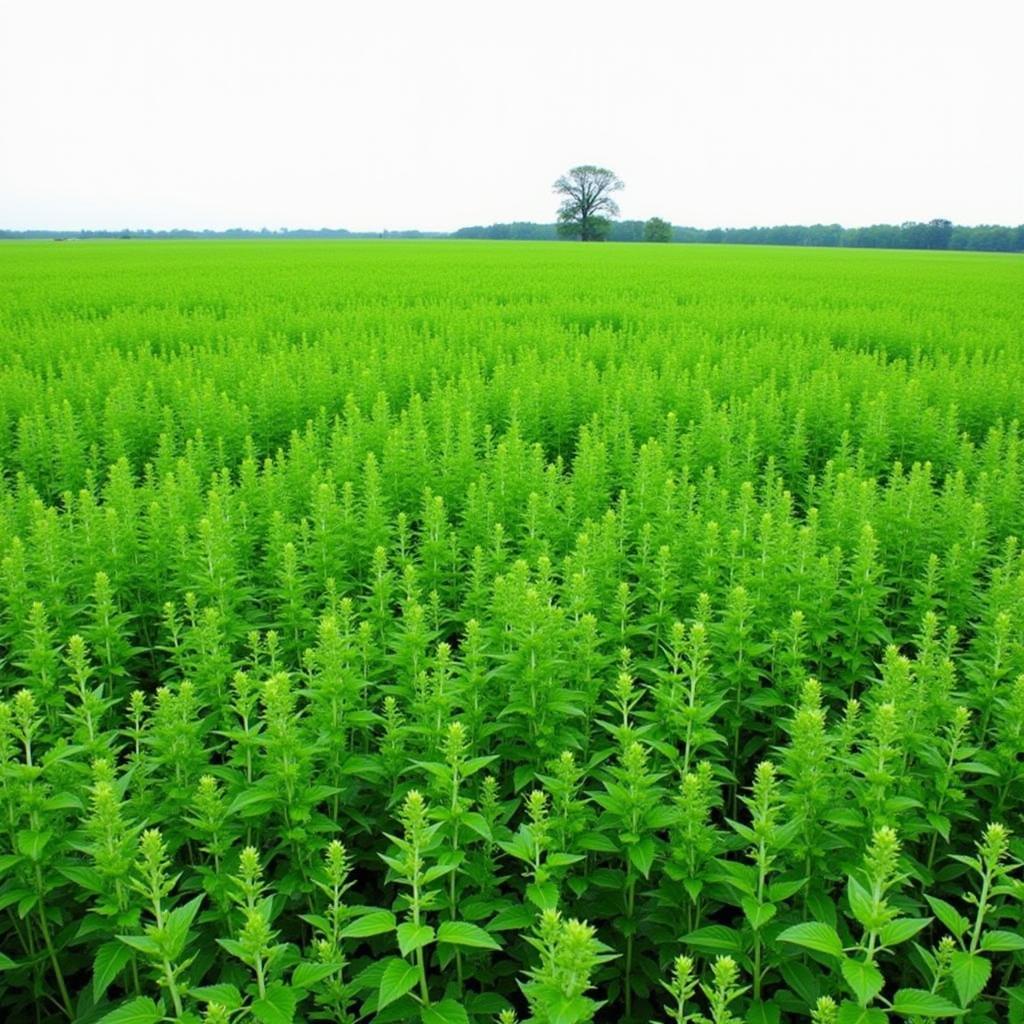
[
  {"x": 935, "y": 234},
  {"x": 517, "y": 230},
  {"x": 228, "y": 233}
]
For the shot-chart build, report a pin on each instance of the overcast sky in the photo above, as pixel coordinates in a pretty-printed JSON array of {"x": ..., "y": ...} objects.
[{"x": 441, "y": 113}]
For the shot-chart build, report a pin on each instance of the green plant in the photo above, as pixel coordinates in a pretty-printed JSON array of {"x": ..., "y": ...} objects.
[{"x": 695, "y": 618}]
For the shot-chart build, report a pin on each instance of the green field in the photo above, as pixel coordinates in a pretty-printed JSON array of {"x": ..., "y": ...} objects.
[{"x": 463, "y": 632}]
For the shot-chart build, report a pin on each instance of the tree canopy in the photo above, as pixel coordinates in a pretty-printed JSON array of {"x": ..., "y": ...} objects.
[
  {"x": 587, "y": 203},
  {"x": 657, "y": 230}
]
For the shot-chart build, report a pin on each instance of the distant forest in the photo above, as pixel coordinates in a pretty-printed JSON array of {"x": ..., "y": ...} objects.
[
  {"x": 935, "y": 234},
  {"x": 228, "y": 233}
]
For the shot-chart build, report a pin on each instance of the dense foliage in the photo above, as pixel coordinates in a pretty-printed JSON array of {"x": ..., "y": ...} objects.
[
  {"x": 436, "y": 633},
  {"x": 936, "y": 234}
]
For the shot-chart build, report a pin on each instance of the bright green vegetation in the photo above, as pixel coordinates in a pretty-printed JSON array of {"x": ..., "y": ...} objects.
[{"x": 463, "y": 632}]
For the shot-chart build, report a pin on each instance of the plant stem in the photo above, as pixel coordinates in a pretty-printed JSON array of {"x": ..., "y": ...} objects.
[
  {"x": 420, "y": 961},
  {"x": 630, "y": 904},
  {"x": 45, "y": 929},
  {"x": 979, "y": 920}
]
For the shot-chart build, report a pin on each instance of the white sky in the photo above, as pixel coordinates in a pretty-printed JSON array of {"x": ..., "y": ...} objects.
[{"x": 440, "y": 113}]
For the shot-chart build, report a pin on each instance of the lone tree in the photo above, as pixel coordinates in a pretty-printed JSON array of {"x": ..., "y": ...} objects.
[
  {"x": 587, "y": 206},
  {"x": 657, "y": 230}
]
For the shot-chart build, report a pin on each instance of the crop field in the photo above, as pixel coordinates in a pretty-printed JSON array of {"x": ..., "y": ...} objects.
[{"x": 477, "y": 632}]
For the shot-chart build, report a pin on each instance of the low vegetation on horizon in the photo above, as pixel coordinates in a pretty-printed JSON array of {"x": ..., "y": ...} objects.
[{"x": 483, "y": 634}]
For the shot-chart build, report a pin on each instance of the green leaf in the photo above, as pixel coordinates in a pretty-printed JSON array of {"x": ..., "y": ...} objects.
[
  {"x": 6, "y": 963},
  {"x": 763, "y": 1013},
  {"x": 757, "y": 914},
  {"x": 139, "y": 1011},
  {"x": 432, "y": 874},
  {"x": 865, "y": 980},
  {"x": 822, "y": 938},
  {"x": 253, "y": 800},
  {"x": 31, "y": 844},
  {"x": 85, "y": 877},
  {"x": 27, "y": 902},
  {"x": 742, "y": 877},
  {"x": 715, "y": 937},
  {"x": 277, "y": 1006},
  {"x": 519, "y": 846},
  {"x": 306, "y": 975},
  {"x": 399, "y": 978},
  {"x": 562, "y": 1009},
  {"x": 462, "y": 933},
  {"x": 369, "y": 977},
  {"x": 861, "y": 905},
  {"x": 970, "y": 975},
  {"x": 780, "y": 891},
  {"x": 1002, "y": 941},
  {"x": 234, "y": 947},
  {"x": 143, "y": 943},
  {"x": 800, "y": 978},
  {"x": 227, "y": 995},
  {"x": 543, "y": 895},
  {"x": 446, "y": 1012},
  {"x": 916, "y": 1002},
  {"x": 948, "y": 915},
  {"x": 902, "y": 929},
  {"x": 176, "y": 926},
  {"x": 517, "y": 917},
  {"x": 111, "y": 958},
  {"x": 8, "y": 861},
  {"x": 478, "y": 824},
  {"x": 851, "y": 1013},
  {"x": 599, "y": 842},
  {"x": 375, "y": 923},
  {"x": 414, "y": 936},
  {"x": 486, "y": 1004},
  {"x": 63, "y": 802},
  {"x": 1016, "y": 994},
  {"x": 562, "y": 860},
  {"x": 641, "y": 855}
]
